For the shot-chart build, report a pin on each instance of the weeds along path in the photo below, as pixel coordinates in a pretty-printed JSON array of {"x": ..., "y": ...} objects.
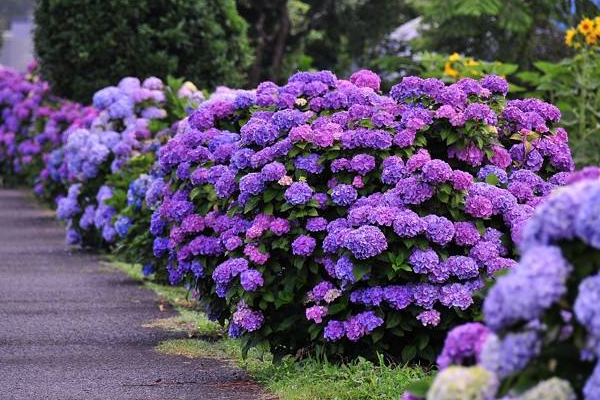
[{"x": 71, "y": 329}]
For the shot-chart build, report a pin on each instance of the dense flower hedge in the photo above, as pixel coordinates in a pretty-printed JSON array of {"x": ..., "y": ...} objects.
[
  {"x": 542, "y": 329},
  {"x": 32, "y": 123},
  {"x": 322, "y": 212},
  {"x": 321, "y": 215},
  {"x": 124, "y": 128}
]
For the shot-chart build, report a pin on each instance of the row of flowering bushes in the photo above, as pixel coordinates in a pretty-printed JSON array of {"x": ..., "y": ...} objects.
[
  {"x": 317, "y": 216},
  {"x": 542, "y": 320},
  {"x": 325, "y": 213}
]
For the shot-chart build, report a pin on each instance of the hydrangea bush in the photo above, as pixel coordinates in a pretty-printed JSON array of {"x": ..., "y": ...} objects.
[
  {"x": 324, "y": 213},
  {"x": 138, "y": 187},
  {"x": 541, "y": 333},
  {"x": 31, "y": 121},
  {"x": 318, "y": 216},
  {"x": 122, "y": 129}
]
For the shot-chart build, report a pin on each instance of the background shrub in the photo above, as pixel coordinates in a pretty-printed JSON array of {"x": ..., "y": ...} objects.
[{"x": 83, "y": 46}]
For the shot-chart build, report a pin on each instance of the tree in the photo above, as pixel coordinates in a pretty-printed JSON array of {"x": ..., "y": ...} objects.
[
  {"x": 288, "y": 35},
  {"x": 84, "y": 45}
]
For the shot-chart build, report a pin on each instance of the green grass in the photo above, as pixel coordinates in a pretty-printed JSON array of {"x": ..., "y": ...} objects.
[{"x": 308, "y": 379}]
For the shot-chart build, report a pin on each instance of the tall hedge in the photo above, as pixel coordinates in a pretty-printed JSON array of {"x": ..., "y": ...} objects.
[{"x": 84, "y": 45}]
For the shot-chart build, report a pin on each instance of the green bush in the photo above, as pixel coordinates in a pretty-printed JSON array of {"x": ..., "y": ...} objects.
[{"x": 85, "y": 45}]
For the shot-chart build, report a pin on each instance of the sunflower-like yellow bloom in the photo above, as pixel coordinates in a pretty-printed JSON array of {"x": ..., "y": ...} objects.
[
  {"x": 569, "y": 35},
  {"x": 591, "y": 38},
  {"x": 454, "y": 57},
  {"x": 448, "y": 70},
  {"x": 586, "y": 26}
]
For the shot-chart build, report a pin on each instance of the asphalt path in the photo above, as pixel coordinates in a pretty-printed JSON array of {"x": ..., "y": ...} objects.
[{"x": 73, "y": 329}]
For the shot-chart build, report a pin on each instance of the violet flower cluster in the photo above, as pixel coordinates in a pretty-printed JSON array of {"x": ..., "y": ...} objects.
[
  {"x": 121, "y": 131},
  {"x": 401, "y": 205}
]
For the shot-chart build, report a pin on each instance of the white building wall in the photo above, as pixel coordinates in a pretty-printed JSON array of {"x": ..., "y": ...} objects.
[{"x": 17, "y": 47}]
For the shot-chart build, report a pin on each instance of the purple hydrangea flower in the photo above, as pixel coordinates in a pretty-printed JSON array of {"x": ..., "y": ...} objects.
[
  {"x": 251, "y": 280},
  {"x": 362, "y": 163},
  {"x": 512, "y": 299},
  {"x": 248, "y": 319},
  {"x": 430, "y": 318},
  {"x": 303, "y": 245},
  {"x": 334, "y": 331},
  {"x": 408, "y": 224},
  {"x": 273, "y": 171},
  {"x": 509, "y": 355},
  {"x": 309, "y": 163},
  {"x": 298, "y": 193},
  {"x": 439, "y": 230},
  {"x": 436, "y": 171},
  {"x": 316, "y": 313},
  {"x": 343, "y": 195},
  {"x": 423, "y": 261},
  {"x": 365, "y": 242},
  {"x": 463, "y": 345},
  {"x": 361, "y": 324},
  {"x": 317, "y": 224}
]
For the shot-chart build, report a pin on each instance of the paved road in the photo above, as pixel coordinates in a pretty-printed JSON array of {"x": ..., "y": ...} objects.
[{"x": 72, "y": 330}]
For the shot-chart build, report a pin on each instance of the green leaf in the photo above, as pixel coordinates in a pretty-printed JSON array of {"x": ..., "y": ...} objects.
[
  {"x": 408, "y": 353},
  {"x": 314, "y": 331},
  {"x": 269, "y": 195},
  {"x": 268, "y": 209},
  {"x": 377, "y": 335},
  {"x": 250, "y": 205},
  {"x": 492, "y": 179},
  {"x": 361, "y": 270},
  {"x": 336, "y": 308},
  {"x": 312, "y": 212},
  {"x": 420, "y": 388},
  {"x": 268, "y": 296},
  {"x": 393, "y": 320},
  {"x": 480, "y": 227},
  {"x": 547, "y": 67},
  {"x": 423, "y": 341},
  {"x": 298, "y": 262}
]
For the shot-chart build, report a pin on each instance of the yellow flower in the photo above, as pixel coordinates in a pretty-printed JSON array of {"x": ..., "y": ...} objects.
[
  {"x": 448, "y": 70},
  {"x": 472, "y": 63},
  {"x": 597, "y": 21},
  {"x": 475, "y": 73},
  {"x": 585, "y": 26},
  {"x": 569, "y": 35},
  {"x": 454, "y": 57},
  {"x": 591, "y": 38}
]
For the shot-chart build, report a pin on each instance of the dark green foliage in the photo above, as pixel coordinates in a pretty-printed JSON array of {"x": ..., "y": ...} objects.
[
  {"x": 84, "y": 45},
  {"x": 573, "y": 85},
  {"x": 291, "y": 35},
  {"x": 507, "y": 30}
]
